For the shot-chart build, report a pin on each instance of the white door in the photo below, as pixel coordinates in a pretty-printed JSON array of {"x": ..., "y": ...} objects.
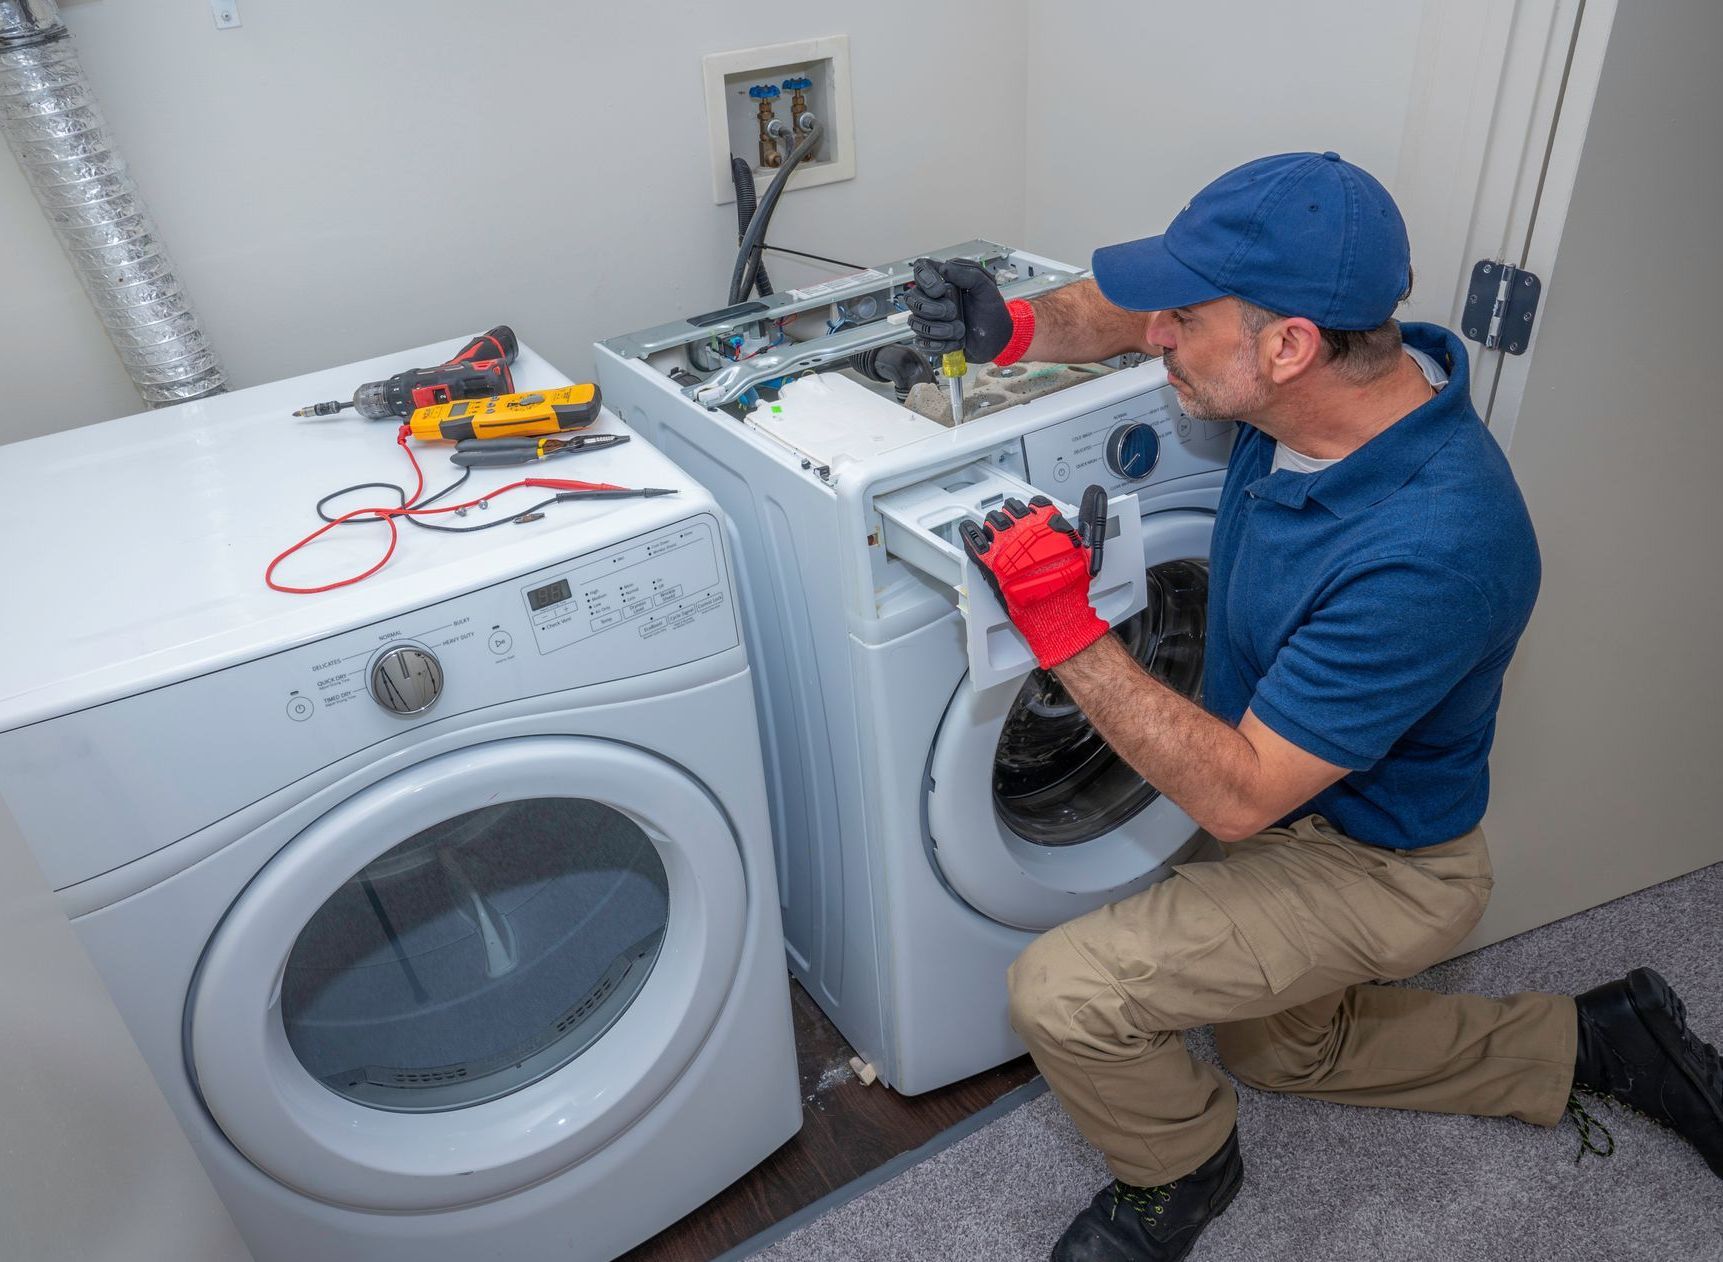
[
  {"x": 1033, "y": 818},
  {"x": 470, "y": 975},
  {"x": 1604, "y": 776}
]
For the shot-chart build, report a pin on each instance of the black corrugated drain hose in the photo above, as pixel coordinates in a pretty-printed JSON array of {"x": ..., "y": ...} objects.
[
  {"x": 748, "y": 256},
  {"x": 742, "y": 176}
]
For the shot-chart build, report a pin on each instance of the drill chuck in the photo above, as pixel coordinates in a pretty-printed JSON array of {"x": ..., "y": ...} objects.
[{"x": 372, "y": 401}]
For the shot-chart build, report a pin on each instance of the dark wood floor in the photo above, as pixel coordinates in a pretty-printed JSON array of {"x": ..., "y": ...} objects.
[{"x": 847, "y": 1130}]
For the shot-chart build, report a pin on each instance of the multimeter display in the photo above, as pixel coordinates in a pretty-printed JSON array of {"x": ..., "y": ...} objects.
[{"x": 544, "y": 597}]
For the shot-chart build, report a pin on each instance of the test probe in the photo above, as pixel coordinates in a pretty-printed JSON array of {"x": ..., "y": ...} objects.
[
  {"x": 411, "y": 507},
  {"x": 494, "y": 453}
]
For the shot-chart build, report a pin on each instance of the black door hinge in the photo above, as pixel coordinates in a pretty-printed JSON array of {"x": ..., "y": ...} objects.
[{"x": 1501, "y": 303}]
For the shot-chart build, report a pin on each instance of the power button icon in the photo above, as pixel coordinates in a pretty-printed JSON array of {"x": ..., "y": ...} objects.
[{"x": 300, "y": 708}]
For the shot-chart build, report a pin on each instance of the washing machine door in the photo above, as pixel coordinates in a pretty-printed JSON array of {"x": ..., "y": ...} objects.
[
  {"x": 1032, "y": 816},
  {"x": 471, "y": 975}
]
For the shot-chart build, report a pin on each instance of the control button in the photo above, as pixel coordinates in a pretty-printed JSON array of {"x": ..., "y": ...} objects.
[
  {"x": 501, "y": 642},
  {"x": 300, "y": 708},
  {"x": 1061, "y": 471},
  {"x": 1133, "y": 450},
  {"x": 407, "y": 680},
  {"x": 606, "y": 620},
  {"x": 1184, "y": 428}
]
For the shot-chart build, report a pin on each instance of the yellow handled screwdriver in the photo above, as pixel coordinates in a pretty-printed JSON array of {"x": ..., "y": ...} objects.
[{"x": 954, "y": 366}]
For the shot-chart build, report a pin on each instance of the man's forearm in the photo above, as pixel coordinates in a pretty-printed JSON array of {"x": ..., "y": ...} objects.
[
  {"x": 1076, "y": 325},
  {"x": 1201, "y": 763}
]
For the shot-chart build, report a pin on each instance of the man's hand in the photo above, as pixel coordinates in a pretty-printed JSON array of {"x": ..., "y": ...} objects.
[
  {"x": 1038, "y": 566},
  {"x": 957, "y": 306}
]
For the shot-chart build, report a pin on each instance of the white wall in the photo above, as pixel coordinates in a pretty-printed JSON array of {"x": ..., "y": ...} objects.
[
  {"x": 1134, "y": 107},
  {"x": 337, "y": 180},
  {"x": 340, "y": 179}
]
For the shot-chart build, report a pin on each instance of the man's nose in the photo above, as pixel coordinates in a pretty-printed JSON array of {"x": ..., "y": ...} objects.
[{"x": 1161, "y": 331}]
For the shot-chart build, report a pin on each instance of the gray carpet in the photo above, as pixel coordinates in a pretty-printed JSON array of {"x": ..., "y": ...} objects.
[{"x": 1331, "y": 1183}]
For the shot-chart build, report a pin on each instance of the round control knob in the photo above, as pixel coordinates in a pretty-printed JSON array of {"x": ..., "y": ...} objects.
[
  {"x": 1133, "y": 450},
  {"x": 407, "y": 680}
]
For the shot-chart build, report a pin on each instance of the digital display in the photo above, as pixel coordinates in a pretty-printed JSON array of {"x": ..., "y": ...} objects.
[{"x": 544, "y": 597}]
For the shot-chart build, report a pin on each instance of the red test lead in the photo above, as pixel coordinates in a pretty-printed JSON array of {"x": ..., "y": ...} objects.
[{"x": 412, "y": 508}]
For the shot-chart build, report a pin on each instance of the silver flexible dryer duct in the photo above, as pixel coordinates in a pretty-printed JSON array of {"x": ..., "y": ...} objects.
[{"x": 55, "y": 129}]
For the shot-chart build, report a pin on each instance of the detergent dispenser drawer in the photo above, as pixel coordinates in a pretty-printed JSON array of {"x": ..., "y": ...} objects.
[{"x": 920, "y": 528}]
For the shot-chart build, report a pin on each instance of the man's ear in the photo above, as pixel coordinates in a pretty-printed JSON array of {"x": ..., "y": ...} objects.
[{"x": 1294, "y": 347}]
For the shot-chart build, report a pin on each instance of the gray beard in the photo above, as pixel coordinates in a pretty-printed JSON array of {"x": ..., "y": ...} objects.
[{"x": 1239, "y": 395}]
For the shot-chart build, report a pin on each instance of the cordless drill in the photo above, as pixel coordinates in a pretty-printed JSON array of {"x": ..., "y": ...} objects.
[{"x": 478, "y": 370}]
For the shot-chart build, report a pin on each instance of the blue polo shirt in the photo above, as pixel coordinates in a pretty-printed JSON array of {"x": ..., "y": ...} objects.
[{"x": 1367, "y": 612}]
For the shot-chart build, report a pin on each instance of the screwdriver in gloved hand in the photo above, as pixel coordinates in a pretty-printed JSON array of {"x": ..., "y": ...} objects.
[{"x": 954, "y": 366}]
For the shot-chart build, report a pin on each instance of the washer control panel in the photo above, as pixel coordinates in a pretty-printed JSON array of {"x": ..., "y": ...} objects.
[
  {"x": 1133, "y": 450},
  {"x": 1138, "y": 442}
]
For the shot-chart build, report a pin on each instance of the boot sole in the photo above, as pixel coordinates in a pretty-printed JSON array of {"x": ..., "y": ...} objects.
[{"x": 1650, "y": 995}]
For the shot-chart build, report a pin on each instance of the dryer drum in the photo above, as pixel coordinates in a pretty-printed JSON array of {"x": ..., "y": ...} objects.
[{"x": 1055, "y": 781}]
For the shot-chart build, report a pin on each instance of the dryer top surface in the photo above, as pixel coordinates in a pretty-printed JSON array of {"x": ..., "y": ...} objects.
[{"x": 139, "y": 545}]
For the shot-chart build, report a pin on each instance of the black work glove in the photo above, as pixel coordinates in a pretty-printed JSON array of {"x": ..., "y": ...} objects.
[{"x": 957, "y": 306}]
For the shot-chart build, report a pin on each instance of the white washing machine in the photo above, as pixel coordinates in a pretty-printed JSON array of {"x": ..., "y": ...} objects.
[
  {"x": 936, "y": 801},
  {"x": 442, "y": 905}
]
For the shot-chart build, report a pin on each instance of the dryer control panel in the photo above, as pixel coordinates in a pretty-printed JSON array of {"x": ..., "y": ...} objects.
[
  {"x": 634, "y": 609},
  {"x": 1138, "y": 442},
  {"x": 649, "y": 588}
]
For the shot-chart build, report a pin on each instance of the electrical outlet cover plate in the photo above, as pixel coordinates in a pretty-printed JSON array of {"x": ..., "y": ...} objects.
[{"x": 827, "y": 61}]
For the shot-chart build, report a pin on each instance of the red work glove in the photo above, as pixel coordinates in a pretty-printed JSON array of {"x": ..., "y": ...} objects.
[{"x": 1038, "y": 565}]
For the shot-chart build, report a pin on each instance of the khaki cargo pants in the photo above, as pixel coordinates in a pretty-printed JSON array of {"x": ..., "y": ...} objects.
[{"x": 1278, "y": 946}]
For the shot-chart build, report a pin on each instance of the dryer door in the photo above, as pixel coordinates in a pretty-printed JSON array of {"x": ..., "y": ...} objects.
[
  {"x": 1033, "y": 818},
  {"x": 470, "y": 975}
]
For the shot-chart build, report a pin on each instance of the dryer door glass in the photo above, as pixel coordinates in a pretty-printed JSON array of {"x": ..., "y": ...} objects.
[
  {"x": 1055, "y": 781},
  {"x": 477, "y": 956}
]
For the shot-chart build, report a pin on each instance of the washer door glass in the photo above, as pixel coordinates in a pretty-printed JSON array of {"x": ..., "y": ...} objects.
[
  {"x": 1055, "y": 781},
  {"x": 478, "y": 956}
]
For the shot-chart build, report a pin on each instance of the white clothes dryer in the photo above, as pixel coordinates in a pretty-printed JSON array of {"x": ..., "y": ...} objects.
[
  {"x": 936, "y": 802},
  {"x": 442, "y": 905}
]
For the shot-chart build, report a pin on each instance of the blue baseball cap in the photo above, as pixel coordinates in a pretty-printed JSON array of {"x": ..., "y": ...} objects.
[{"x": 1303, "y": 234}]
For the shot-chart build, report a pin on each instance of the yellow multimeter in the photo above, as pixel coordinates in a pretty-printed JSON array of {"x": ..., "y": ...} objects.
[{"x": 508, "y": 415}]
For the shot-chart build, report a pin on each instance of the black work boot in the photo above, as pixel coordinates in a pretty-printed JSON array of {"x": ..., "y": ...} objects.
[
  {"x": 1635, "y": 1047},
  {"x": 1154, "y": 1224}
]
